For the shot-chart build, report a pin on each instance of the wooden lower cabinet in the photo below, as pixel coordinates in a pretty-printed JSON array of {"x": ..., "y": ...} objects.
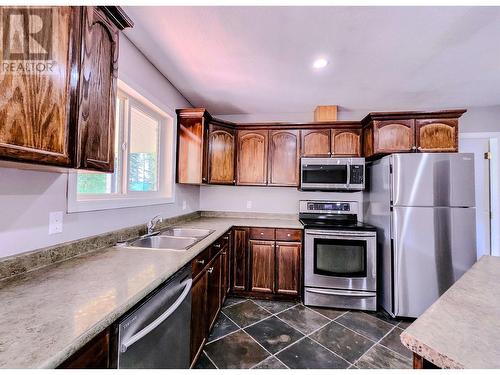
[
  {"x": 288, "y": 261},
  {"x": 208, "y": 293},
  {"x": 93, "y": 355},
  {"x": 214, "y": 290},
  {"x": 198, "y": 314},
  {"x": 262, "y": 261},
  {"x": 239, "y": 261},
  {"x": 271, "y": 260}
]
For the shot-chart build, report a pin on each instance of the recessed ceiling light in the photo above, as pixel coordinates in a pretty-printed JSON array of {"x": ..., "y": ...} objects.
[{"x": 320, "y": 63}]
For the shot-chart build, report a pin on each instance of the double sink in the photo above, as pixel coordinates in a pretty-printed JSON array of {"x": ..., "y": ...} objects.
[{"x": 177, "y": 239}]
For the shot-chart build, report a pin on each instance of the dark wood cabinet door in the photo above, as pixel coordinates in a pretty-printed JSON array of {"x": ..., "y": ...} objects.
[
  {"x": 346, "y": 142},
  {"x": 437, "y": 135},
  {"x": 189, "y": 148},
  {"x": 393, "y": 136},
  {"x": 93, "y": 355},
  {"x": 252, "y": 157},
  {"x": 262, "y": 257},
  {"x": 288, "y": 267},
  {"x": 36, "y": 108},
  {"x": 221, "y": 144},
  {"x": 240, "y": 259},
  {"x": 229, "y": 236},
  {"x": 198, "y": 314},
  {"x": 97, "y": 92},
  {"x": 284, "y": 156},
  {"x": 224, "y": 259},
  {"x": 315, "y": 142},
  {"x": 213, "y": 291}
]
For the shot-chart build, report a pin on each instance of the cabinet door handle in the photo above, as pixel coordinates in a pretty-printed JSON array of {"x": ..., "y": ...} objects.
[
  {"x": 223, "y": 253},
  {"x": 200, "y": 261},
  {"x": 419, "y": 148},
  {"x": 226, "y": 238},
  {"x": 210, "y": 270},
  {"x": 414, "y": 147},
  {"x": 217, "y": 245}
]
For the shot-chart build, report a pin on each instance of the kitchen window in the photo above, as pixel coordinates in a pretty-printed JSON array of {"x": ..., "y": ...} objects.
[{"x": 143, "y": 173}]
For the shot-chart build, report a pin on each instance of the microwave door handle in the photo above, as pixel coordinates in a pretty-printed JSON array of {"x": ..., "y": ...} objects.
[
  {"x": 348, "y": 182},
  {"x": 143, "y": 332}
]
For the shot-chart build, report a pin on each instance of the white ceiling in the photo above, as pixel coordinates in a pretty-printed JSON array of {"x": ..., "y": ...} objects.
[{"x": 236, "y": 60}]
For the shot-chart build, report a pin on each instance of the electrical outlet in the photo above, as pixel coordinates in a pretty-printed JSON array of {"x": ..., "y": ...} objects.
[
  {"x": 55, "y": 222},
  {"x": 184, "y": 205},
  {"x": 249, "y": 204}
]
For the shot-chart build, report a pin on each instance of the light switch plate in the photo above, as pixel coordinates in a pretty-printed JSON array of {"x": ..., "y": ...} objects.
[
  {"x": 184, "y": 205},
  {"x": 249, "y": 204},
  {"x": 55, "y": 222}
]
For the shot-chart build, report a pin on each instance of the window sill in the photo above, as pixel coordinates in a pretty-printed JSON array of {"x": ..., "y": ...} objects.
[{"x": 109, "y": 203}]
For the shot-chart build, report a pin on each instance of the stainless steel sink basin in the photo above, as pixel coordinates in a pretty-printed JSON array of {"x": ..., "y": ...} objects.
[
  {"x": 187, "y": 232},
  {"x": 165, "y": 242}
]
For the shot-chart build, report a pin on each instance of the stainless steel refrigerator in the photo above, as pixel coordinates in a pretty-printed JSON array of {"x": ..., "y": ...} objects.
[{"x": 423, "y": 207}]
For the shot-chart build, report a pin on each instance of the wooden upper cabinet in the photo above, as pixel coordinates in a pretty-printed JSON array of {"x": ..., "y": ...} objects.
[
  {"x": 97, "y": 91},
  {"x": 346, "y": 142},
  {"x": 35, "y": 108},
  {"x": 315, "y": 142},
  {"x": 284, "y": 156},
  {"x": 262, "y": 265},
  {"x": 252, "y": 148},
  {"x": 221, "y": 143},
  {"x": 63, "y": 115},
  {"x": 436, "y": 135},
  {"x": 288, "y": 261},
  {"x": 190, "y": 145},
  {"x": 388, "y": 136}
]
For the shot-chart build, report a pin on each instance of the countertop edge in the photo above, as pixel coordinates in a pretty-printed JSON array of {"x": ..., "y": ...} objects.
[{"x": 428, "y": 353}]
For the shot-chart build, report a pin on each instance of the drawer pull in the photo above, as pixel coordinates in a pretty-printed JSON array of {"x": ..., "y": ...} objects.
[
  {"x": 261, "y": 233},
  {"x": 226, "y": 238},
  {"x": 288, "y": 235},
  {"x": 200, "y": 261},
  {"x": 217, "y": 245}
]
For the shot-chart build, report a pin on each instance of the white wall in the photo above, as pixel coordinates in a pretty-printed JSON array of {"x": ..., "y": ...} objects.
[
  {"x": 27, "y": 197},
  {"x": 264, "y": 199},
  {"x": 481, "y": 119}
]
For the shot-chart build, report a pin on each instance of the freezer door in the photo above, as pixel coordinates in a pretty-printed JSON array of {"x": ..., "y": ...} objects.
[
  {"x": 433, "y": 179},
  {"x": 377, "y": 212},
  {"x": 433, "y": 247}
]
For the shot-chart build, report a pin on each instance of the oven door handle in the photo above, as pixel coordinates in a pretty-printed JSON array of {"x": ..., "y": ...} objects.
[
  {"x": 341, "y": 233},
  {"x": 352, "y": 293}
]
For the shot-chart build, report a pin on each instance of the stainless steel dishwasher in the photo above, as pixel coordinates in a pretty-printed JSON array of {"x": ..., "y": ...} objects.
[{"x": 156, "y": 334}]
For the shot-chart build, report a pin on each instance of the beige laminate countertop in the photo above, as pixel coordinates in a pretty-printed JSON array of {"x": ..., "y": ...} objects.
[
  {"x": 48, "y": 314},
  {"x": 462, "y": 328}
]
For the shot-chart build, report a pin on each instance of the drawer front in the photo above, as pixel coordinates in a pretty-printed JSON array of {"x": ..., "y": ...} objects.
[
  {"x": 289, "y": 235},
  {"x": 261, "y": 233},
  {"x": 200, "y": 262}
]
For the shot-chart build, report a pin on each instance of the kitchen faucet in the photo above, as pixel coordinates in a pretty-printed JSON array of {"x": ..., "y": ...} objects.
[{"x": 153, "y": 222}]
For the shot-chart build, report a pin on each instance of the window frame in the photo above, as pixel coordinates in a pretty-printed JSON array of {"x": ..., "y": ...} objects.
[{"x": 123, "y": 198}]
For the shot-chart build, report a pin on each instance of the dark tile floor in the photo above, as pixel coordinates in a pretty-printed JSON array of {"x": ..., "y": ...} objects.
[{"x": 277, "y": 335}]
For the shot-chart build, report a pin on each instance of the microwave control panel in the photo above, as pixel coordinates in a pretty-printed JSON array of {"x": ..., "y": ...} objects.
[{"x": 356, "y": 174}]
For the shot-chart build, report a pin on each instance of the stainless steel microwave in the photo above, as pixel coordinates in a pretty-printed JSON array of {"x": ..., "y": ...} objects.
[{"x": 332, "y": 174}]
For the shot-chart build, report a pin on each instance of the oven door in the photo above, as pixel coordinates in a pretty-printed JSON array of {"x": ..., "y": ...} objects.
[{"x": 340, "y": 259}]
